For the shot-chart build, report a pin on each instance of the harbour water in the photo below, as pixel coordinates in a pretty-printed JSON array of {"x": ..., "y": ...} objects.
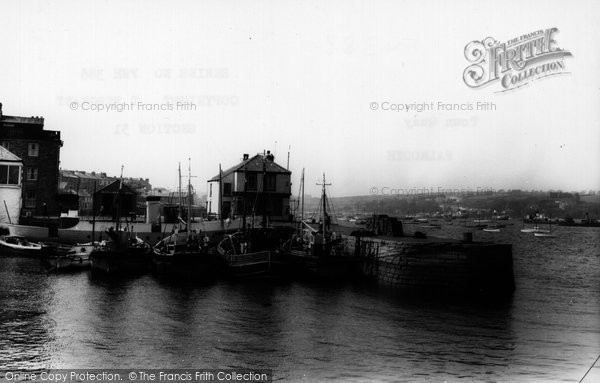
[{"x": 549, "y": 330}]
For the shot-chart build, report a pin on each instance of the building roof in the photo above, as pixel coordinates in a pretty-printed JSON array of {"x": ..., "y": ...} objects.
[
  {"x": 6, "y": 155},
  {"x": 83, "y": 174},
  {"x": 253, "y": 164},
  {"x": 113, "y": 188},
  {"x": 162, "y": 192}
]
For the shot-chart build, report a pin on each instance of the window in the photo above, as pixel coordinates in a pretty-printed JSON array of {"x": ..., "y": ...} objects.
[
  {"x": 13, "y": 175},
  {"x": 210, "y": 190},
  {"x": 32, "y": 174},
  {"x": 270, "y": 182},
  {"x": 227, "y": 188},
  {"x": 30, "y": 198},
  {"x": 9, "y": 174},
  {"x": 251, "y": 181},
  {"x": 33, "y": 149},
  {"x": 3, "y": 174}
]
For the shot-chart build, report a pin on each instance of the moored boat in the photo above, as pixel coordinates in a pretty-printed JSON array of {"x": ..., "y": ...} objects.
[
  {"x": 318, "y": 252},
  {"x": 546, "y": 235},
  {"x": 250, "y": 253},
  {"x": 491, "y": 230},
  {"x": 75, "y": 258},
  {"x": 14, "y": 245},
  {"x": 183, "y": 255},
  {"x": 121, "y": 256}
]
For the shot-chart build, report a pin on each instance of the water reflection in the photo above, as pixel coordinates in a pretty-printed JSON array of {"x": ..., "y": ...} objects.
[{"x": 548, "y": 330}]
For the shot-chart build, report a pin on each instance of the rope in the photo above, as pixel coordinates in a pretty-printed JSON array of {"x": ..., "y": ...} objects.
[{"x": 590, "y": 369}]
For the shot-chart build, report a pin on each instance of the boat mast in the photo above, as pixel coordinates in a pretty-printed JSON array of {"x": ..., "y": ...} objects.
[
  {"x": 94, "y": 213},
  {"x": 221, "y": 194},
  {"x": 179, "y": 208},
  {"x": 324, "y": 207},
  {"x": 189, "y": 211},
  {"x": 244, "y": 199},
  {"x": 302, "y": 186},
  {"x": 119, "y": 200},
  {"x": 265, "y": 198}
]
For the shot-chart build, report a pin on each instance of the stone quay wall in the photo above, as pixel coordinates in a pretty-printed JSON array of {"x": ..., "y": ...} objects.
[{"x": 435, "y": 265}]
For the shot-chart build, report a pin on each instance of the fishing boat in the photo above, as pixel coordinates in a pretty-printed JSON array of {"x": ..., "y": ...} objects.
[
  {"x": 184, "y": 253},
  {"x": 251, "y": 252},
  {"x": 125, "y": 252},
  {"x": 75, "y": 258},
  {"x": 15, "y": 245},
  {"x": 318, "y": 252}
]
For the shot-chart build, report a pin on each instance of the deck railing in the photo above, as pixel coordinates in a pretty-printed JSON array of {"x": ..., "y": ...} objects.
[{"x": 247, "y": 259}]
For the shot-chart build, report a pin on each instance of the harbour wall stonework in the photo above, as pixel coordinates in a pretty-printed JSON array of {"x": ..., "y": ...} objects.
[{"x": 435, "y": 265}]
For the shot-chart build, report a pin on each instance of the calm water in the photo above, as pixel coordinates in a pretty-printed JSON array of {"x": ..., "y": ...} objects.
[{"x": 548, "y": 331}]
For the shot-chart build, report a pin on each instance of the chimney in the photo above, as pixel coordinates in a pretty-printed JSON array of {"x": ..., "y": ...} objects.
[
  {"x": 0, "y": 110},
  {"x": 246, "y": 155}
]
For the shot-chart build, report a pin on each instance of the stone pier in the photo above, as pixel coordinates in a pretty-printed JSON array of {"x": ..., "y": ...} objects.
[{"x": 435, "y": 264}]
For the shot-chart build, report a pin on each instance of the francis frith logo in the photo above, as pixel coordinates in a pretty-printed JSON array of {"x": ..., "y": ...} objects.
[{"x": 515, "y": 63}]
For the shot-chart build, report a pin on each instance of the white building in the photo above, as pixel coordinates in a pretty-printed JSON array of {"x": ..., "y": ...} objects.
[
  {"x": 256, "y": 186},
  {"x": 10, "y": 186}
]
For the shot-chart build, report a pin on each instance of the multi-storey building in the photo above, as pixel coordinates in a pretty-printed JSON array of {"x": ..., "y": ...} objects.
[
  {"x": 256, "y": 186},
  {"x": 39, "y": 151}
]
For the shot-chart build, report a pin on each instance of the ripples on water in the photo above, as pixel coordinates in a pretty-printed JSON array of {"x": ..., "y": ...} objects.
[{"x": 548, "y": 331}]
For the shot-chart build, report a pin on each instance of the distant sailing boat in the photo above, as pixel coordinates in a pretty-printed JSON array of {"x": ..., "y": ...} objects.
[
  {"x": 535, "y": 229},
  {"x": 546, "y": 233},
  {"x": 495, "y": 227}
]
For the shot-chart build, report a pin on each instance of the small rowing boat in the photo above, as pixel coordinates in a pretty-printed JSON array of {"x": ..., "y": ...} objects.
[{"x": 15, "y": 245}]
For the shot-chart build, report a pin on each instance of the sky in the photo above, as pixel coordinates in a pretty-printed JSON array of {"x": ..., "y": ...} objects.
[{"x": 316, "y": 79}]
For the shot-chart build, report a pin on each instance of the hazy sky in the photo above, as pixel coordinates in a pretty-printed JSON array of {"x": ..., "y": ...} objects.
[{"x": 305, "y": 74}]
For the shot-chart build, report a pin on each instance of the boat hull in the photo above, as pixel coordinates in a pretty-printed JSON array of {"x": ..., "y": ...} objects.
[
  {"x": 248, "y": 265},
  {"x": 75, "y": 258},
  {"x": 199, "y": 266},
  {"x": 82, "y": 232},
  {"x": 32, "y": 233},
  {"x": 19, "y": 246},
  {"x": 300, "y": 263},
  {"x": 120, "y": 261},
  {"x": 13, "y": 252}
]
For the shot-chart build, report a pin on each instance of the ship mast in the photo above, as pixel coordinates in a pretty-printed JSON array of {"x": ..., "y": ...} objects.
[
  {"x": 324, "y": 213},
  {"x": 119, "y": 200},
  {"x": 179, "y": 212},
  {"x": 189, "y": 211},
  {"x": 302, "y": 208}
]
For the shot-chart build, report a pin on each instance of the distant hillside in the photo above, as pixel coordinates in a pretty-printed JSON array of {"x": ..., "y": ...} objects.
[{"x": 516, "y": 203}]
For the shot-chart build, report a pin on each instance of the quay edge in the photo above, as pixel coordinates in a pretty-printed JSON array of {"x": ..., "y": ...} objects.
[{"x": 444, "y": 266}]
